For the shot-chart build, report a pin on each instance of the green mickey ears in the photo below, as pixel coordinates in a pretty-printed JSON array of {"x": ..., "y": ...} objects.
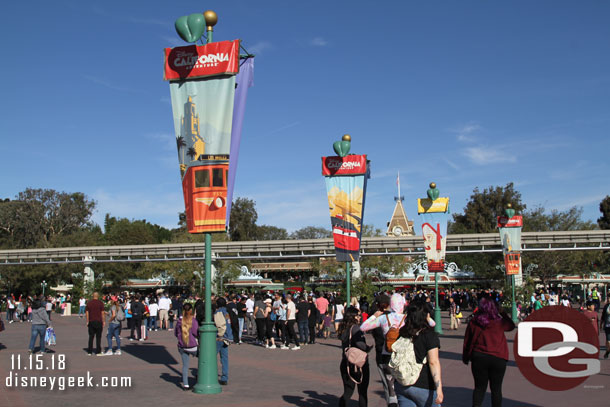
[
  {"x": 343, "y": 146},
  {"x": 433, "y": 192},
  {"x": 190, "y": 28}
]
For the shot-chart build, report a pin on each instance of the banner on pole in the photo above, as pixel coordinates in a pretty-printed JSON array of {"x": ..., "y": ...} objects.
[
  {"x": 197, "y": 61},
  {"x": 203, "y": 113},
  {"x": 510, "y": 237},
  {"x": 346, "y": 190},
  {"x": 435, "y": 215}
]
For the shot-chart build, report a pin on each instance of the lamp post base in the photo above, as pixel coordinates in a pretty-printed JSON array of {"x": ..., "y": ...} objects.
[{"x": 207, "y": 374}]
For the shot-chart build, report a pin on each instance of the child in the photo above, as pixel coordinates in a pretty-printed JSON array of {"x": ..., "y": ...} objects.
[
  {"x": 327, "y": 323},
  {"x": 170, "y": 316}
]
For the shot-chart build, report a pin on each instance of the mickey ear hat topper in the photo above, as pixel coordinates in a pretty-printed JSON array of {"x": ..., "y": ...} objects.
[{"x": 343, "y": 146}]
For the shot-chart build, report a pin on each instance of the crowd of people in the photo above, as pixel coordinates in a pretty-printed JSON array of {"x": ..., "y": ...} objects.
[{"x": 400, "y": 323}]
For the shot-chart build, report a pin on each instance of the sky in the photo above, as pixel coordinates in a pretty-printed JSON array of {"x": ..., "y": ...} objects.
[{"x": 466, "y": 94}]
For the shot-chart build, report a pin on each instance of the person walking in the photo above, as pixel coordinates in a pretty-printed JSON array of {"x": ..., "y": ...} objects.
[
  {"x": 259, "y": 316},
  {"x": 82, "y": 302},
  {"x": 153, "y": 310},
  {"x": 241, "y": 317},
  {"x": 165, "y": 304},
  {"x": 427, "y": 391},
  {"x": 40, "y": 322},
  {"x": 223, "y": 338},
  {"x": 453, "y": 311},
  {"x": 96, "y": 316},
  {"x": 380, "y": 323},
  {"x": 137, "y": 312},
  {"x": 250, "y": 324},
  {"x": 313, "y": 320},
  {"x": 270, "y": 318},
  {"x": 290, "y": 323},
  {"x": 187, "y": 332},
  {"x": 234, "y": 316},
  {"x": 302, "y": 309},
  {"x": 486, "y": 347},
  {"x": 115, "y": 318},
  {"x": 604, "y": 324},
  {"x": 351, "y": 336}
]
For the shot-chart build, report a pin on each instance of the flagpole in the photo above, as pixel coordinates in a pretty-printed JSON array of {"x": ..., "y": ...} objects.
[{"x": 207, "y": 373}]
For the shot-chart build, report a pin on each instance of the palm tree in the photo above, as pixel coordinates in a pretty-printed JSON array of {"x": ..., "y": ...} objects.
[
  {"x": 191, "y": 153},
  {"x": 180, "y": 144}
]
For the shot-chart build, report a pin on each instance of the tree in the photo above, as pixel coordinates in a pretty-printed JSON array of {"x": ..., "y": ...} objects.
[
  {"x": 483, "y": 208},
  {"x": 537, "y": 220},
  {"x": 604, "y": 208},
  {"x": 266, "y": 232},
  {"x": 311, "y": 232},
  {"x": 38, "y": 216},
  {"x": 242, "y": 225}
]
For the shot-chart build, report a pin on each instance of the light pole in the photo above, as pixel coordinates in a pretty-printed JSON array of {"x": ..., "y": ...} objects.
[{"x": 43, "y": 285}]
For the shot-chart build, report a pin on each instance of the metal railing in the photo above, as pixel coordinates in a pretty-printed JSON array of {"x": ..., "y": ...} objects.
[{"x": 295, "y": 249}]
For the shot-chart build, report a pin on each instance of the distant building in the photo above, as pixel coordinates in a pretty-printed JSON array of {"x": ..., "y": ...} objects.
[{"x": 399, "y": 225}]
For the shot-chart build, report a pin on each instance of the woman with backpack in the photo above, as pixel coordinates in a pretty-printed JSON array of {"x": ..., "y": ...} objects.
[
  {"x": 415, "y": 362},
  {"x": 352, "y": 337},
  {"x": 187, "y": 332},
  {"x": 486, "y": 347}
]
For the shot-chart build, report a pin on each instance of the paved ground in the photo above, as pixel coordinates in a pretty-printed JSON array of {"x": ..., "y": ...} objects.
[{"x": 258, "y": 377}]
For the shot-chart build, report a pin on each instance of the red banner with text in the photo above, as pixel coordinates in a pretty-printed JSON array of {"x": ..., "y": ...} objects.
[
  {"x": 348, "y": 165},
  {"x": 196, "y": 61}
]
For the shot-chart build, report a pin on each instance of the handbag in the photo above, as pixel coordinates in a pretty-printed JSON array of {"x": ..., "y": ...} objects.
[
  {"x": 459, "y": 315},
  {"x": 356, "y": 357}
]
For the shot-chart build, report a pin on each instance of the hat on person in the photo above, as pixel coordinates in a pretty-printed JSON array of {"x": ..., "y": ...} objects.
[{"x": 268, "y": 301}]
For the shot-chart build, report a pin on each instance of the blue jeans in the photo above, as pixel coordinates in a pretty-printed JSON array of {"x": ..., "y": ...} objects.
[
  {"x": 185, "y": 365},
  {"x": 152, "y": 322},
  {"x": 81, "y": 310},
  {"x": 410, "y": 396},
  {"x": 224, "y": 359},
  {"x": 303, "y": 330},
  {"x": 241, "y": 327},
  {"x": 38, "y": 329},
  {"x": 114, "y": 330}
]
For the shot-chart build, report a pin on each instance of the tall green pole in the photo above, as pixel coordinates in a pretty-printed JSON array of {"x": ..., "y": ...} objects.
[
  {"x": 515, "y": 316},
  {"x": 348, "y": 281},
  {"x": 438, "y": 328},
  {"x": 207, "y": 376}
]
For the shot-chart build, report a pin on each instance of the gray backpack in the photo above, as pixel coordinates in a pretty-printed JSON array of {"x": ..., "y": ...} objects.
[{"x": 120, "y": 315}]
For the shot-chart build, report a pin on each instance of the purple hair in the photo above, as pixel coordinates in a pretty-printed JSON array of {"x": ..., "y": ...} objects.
[{"x": 487, "y": 312}]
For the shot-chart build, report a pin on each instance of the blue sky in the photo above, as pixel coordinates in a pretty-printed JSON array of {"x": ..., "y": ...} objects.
[{"x": 467, "y": 94}]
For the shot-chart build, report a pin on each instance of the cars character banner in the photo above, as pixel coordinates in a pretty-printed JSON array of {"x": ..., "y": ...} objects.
[
  {"x": 203, "y": 119},
  {"x": 346, "y": 179},
  {"x": 510, "y": 236},
  {"x": 434, "y": 212}
]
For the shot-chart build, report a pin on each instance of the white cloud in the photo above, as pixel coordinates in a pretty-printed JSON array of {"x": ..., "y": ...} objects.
[
  {"x": 464, "y": 132},
  {"x": 488, "y": 155},
  {"x": 318, "y": 42},
  {"x": 259, "y": 47}
]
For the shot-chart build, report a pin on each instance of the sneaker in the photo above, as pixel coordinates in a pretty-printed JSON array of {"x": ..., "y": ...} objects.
[
  {"x": 108, "y": 352},
  {"x": 30, "y": 351},
  {"x": 266, "y": 346},
  {"x": 141, "y": 340},
  {"x": 272, "y": 347},
  {"x": 131, "y": 339},
  {"x": 222, "y": 382},
  {"x": 284, "y": 347},
  {"x": 240, "y": 342},
  {"x": 296, "y": 348},
  {"x": 118, "y": 352},
  {"x": 89, "y": 354},
  {"x": 101, "y": 354}
]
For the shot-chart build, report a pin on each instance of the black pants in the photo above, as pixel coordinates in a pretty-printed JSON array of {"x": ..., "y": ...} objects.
[
  {"x": 260, "y": 329},
  {"x": 136, "y": 323},
  {"x": 487, "y": 369},
  {"x": 291, "y": 336},
  {"x": 269, "y": 328},
  {"x": 312, "y": 331},
  {"x": 349, "y": 386},
  {"x": 95, "y": 329},
  {"x": 235, "y": 329},
  {"x": 280, "y": 330}
]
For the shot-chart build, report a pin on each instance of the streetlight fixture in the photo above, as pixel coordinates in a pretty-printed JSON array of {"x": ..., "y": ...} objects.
[{"x": 43, "y": 285}]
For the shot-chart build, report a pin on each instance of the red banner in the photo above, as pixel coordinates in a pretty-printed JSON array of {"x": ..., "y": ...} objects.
[
  {"x": 348, "y": 165},
  {"x": 196, "y": 61},
  {"x": 506, "y": 222}
]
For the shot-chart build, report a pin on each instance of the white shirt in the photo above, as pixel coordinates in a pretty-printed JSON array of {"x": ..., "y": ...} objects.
[
  {"x": 165, "y": 303},
  {"x": 249, "y": 305},
  {"x": 339, "y": 313},
  {"x": 153, "y": 309},
  {"x": 292, "y": 309},
  {"x": 82, "y": 302}
]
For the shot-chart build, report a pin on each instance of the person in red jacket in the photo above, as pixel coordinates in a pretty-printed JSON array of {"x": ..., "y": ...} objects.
[{"x": 486, "y": 347}]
